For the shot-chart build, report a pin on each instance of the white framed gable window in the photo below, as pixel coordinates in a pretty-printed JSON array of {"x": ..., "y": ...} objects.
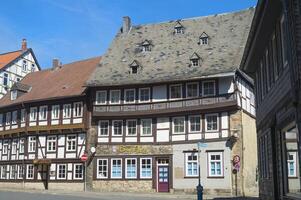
[
  {"x": 78, "y": 109},
  {"x": 14, "y": 117},
  {"x": 131, "y": 168},
  {"x": 175, "y": 91},
  {"x": 192, "y": 90},
  {"x": 146, "y": 127},
  {"x": 67, "y": 111},
  {"x": 103, "y": 127},
  {"x": 191, "y": 164},
  {"x": 131, "y": 127},
  {"x": 215, "y": 164},
  {"x": 129, "y": 96},
  {"x": 55, "y": 112},
  {"x": 178, "y": 125},
  {"x": 116, "y": 168},
  {"x": 13, "y": 95},
  {"x": 102, "y": 168},
  {"x": 5, "y": 79},
  {"x": 101, "y": 97},
  {"x": 292, "y": 163},
  {"x": 144, "y": 94},
  {"x": 114, "y": 96},
  {"x": 24, "y": 66},
  {"x": 43, "y": 112},
  {"x": 211, "y": 122},
  {"x": 195, "y": 123},
  {"x": 61, "y": 171},
  {"x": 208, "y": 88},
  {"x": 117, "y": 127},
  {"x": 33, "y": 114}
]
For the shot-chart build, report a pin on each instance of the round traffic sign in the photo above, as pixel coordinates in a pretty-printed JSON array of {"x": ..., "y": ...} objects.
[{"x": 84, "y": 157}]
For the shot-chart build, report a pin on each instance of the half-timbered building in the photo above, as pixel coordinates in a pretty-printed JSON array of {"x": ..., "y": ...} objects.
[
  {"x": 158, "y": 91},
  {"x": 272, "y": 57},
  {"x": 43, "y": 121}
]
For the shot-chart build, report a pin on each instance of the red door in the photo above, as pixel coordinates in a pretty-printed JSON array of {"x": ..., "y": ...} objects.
[{"x": 163, "y": 179}]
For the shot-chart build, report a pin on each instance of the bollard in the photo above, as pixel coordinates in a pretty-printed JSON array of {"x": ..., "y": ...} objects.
[{"x": 199, "y": 189}]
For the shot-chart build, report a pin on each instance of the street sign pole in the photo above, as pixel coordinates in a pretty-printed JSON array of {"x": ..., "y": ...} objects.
[{"x": 85, "y": 186}]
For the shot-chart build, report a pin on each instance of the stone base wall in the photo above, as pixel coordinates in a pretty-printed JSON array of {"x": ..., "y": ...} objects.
[
  {"x": 40, "y": 186},
  {"x": 210, "y": 192},
  {"x": 123, "y": 186}
]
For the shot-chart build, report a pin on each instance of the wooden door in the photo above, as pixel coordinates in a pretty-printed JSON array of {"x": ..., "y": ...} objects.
[{"x": 163, "y": 179}]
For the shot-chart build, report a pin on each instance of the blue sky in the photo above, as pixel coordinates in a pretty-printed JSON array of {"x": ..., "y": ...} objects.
[{"x": 77, "y": 29}]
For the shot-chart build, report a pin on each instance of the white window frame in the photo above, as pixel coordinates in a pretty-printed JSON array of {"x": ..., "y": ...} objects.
[
  {"x": 198, "y": 91},
  {"x": 113, "y": 130},
  {"x": 1, "y": 119},
  {"x": 191, "y": 161},
  {"x": 81, "y": 173},
  {"x": 141, "y": 127},
  {"x": 23, "y": 116},
  {"x": 107, "y": 169},
  {"x": 126, "y": 168},
  {"x": 13, "y": 94},
  {"x": 98, "y": 95},
  {"x": 8, "y": 119},
  {"x": 119, "y": 177},
  {"x": 28, "y": 170},
  {"x": 51, "y": 142},
  {"x": 73, "y": 143},
  {"x": 111, "y": 91},
  {"x": 127, "y": 127},
  {"x": 195, "y": 62},
  {"x": 189, "y": 123},
  {"x": 170, "y": 98},
  {"x": 151, "y": 169},
  {"x": 14, "y": 117},
  {"x": 33, "y": 114},
  {"x": 78, "y": 109},
  {"x": 173, "y": 125},
  {"x": 6, "y": 79},
  {"x": 129, "y": 102},
  {"x": 20, "y": 172},
  {"x": 214, "y": 88},
  {"x": 58, "y": 172},
  {"x": 5, "y": 147},
  {"x": 67, "y": 110},
  {"x": 3, "y": 169},
  {"x": 149, "y": 95},
  {"x": 22, "y": 145},
  {"x": 294, "y": 154},
  {"x": 217, "y": 122},
  {"x": 202, "y": 39},
  {"x": 99, "y": 127},
  {"x": 43, "y": 110},
  {"x": 32, "y": 142},
  {"x": 14, "y": 146},
  {"x": 55, "y": 112},
  {"x": 24, "y": 66},
  {"x": 13, "y": 172},
  {"x": 221, "y": 163}
]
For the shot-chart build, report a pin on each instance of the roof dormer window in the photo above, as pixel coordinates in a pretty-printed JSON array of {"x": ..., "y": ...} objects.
[
  {"x": 179, "y": 28},
  {"x": 13, "y": 94},
  {"x": 204, "y": 39},
  {"x": 195, "y": 60},
  {"x": 134, "y": 67},
  {"x": 146, "y": 46}
]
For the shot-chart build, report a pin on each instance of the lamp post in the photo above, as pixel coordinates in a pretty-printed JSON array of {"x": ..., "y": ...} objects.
[{"x": 200, "y": 188}]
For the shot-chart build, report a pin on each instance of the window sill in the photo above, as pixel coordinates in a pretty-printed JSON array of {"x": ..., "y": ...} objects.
[
  {"x": 215, "y": 177},
  {"x": 193, "y": 177}
]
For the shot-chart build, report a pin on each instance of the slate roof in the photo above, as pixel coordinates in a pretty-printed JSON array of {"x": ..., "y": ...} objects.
[
  {"x": 65, "y": 81},
  {"x": 169, "y": 59}
]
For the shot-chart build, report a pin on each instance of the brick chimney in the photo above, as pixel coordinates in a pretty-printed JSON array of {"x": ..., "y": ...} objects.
[
  {"x": 24, "y": 45},
  {"x": 55, "y": 63},
  {"x": 126, "y": 24}
]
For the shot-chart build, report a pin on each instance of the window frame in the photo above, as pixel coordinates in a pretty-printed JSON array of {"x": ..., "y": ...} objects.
[
  {"x": 55, "y": 112},
  {"x": 14, "y": 117},
  {"x": 189, "y": 123},
  {"x": 5, "y": 79},
  {"x": 67, "y": 108},
  {"x": 41, "y": 117},
  {"x": 198, "y": 90},
  {"x": 217, "y": 122},
  {"x": 126, "y": 168},
  {"x": 81, "y": 172},
  {"x": 113, "y": 128},
  {"x": 97, "y": 102},
  {"x": 191, "y": 161},
  {"x": 116, "y": 177},
  {"x": 78, "y": 109},
  {"x": 8, "y": 119},
  {"x": 124, "y": 95},
  {"x": 151, "y": 168},
  {"x": 173, "y": 125},
  {"x": 107, "y": 168},
  {"x": 214, "y": 88},
  {"x": 283, "y": 45},
  {"x": 33, "y": 114},
  {"x": 119, "y": 97},
  {"x": 149, "y": 95},
  {"x": 51, "y": 142},
  {"x": 73, "y": 140},
  {"x": 58, "y": 172},
  {"x": 99, "y": 127},
  {"x": 220, "y": 153},
  {"x": 32, "y": 140},
  {"x": 181, "y": 89},
  {"x": 28, "y": 170},
  {"x": 127, "y": 127},
  {"x": 294, "y": 154},
  {"x": 151, "y": 127}
]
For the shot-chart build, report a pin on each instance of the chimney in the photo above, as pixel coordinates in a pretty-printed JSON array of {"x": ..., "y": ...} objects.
[
  {"x": 55, "y": 63},
  {"x": 24, "y": 45},
  {"x": 126, "y": 24}
]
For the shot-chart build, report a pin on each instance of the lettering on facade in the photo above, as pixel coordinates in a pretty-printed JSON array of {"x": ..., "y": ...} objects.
[{"x": 135, "y": 149}]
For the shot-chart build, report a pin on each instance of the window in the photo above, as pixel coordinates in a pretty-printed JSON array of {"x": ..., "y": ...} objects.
[
  {"x": 178, "y": 28},
  {"x": 20, "y": 171},
  {"x": 103, "y": 127},
  {"x": 55, "y": 112},
  {"x": 78, "y": 109},
  {"x": 291, "y": 164},
  {"x": 30, "y": 171},
  {"x": 275, "y": 61},
  {"x": 78, "y": 173},
  {"x": 283, "y": 41},
  {"x": 101, "y": 97},
  {"x": 13, "y": 95},
  {"x": 145, "y": 168},
  {"x": 8, "y": 118},
  {"x": 33, "y": 114},
  {"x": 175, "y": 91},
  {"x": 14, "y": 117},
  {"x": 191, "y": 160},
  {"x": 131, "y": 168},
  {"x": 31, "y": 144},
  {"x": 192, "y": 90},
  {"x": 102, "y": 168},
  {"x": 114, "y": 96},
  {"x": 71, "y": 143},
  {"x": 22, "y": 145},
  {"x": 51, "y": 143},
  {"x": 144, "y": 94},
  {"x": 3, "y": 171},
  {"x": 33, "y": 68},
  {"x": 129, "y": 95},
  {"x": 131, "y": 127},
  {"x": 117, "y": 127},
  {"x": 5, "y": 147},
  {"x": 5, "y": 79},
  {"x": 211, "y": 122},
  {"x": 208, "y": 88},
  {"x": 43, "y": 113},
  {"x": 1, "y": 119},
  {"x": 215, "y": 164},
  {"x": 204, "y": 40},
  {"x": 116, "y": 171},
  {"x": 195, "y": 123},
  {"x": 134, "y": 69},
  {"x": 146, "y": 126},
  {"x": 194, "y": 62},
  {"x": 146, "y": 48},
  {"x": 23, "y": 115},
  {"x": 67, "y": 111},
  {"x": 61, "y": 169},
  {"x": 178, "y": 124},
  {"x": 24, "y": 66},
  {"x": 13, "y": 172},
  {"x": 14, "y": 146}
]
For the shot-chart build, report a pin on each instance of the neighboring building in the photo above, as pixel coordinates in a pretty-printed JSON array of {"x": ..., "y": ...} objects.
[
  {"x": 16, "y": 65},
  {"x": 158, "y": 91},
  {"x": 272, "y": 57},
  {"x": 43, "y": 122}
]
